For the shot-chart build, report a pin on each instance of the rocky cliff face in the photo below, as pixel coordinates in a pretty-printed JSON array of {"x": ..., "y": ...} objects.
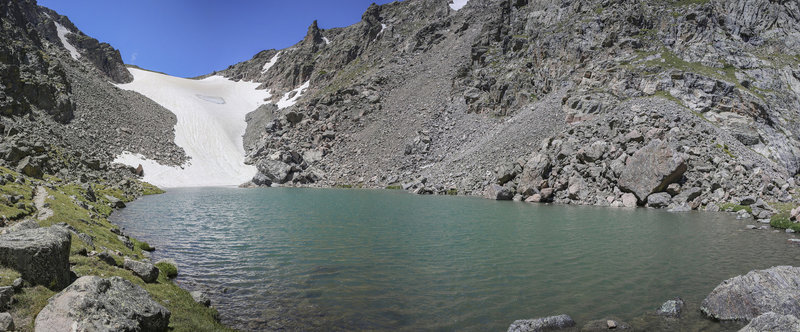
[
  {"x": 438, "y": 100},
  {"x": 61, "y": 113}
]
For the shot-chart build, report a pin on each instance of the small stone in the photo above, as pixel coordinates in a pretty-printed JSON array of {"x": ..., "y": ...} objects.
[
  {"x": 17, "y": 284},
  {"x": 629, "y": 200},
  {"x": 751, "y": 227},
  {"x": 200, "y": 297},
  {"x": 611, "y": 324}
]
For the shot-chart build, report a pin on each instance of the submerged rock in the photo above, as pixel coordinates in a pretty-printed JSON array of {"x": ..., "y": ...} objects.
[
  {"x": 96, "y": 304},
  {"x": 605, "y": 324},
  {"x": 776, "y": 289},
  {"x": 542, "y": 324},
  {"x": 671, "y": 308},
  {"x": 41, "y": 255}
]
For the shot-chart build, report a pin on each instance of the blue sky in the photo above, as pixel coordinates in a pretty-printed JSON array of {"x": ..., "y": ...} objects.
[{"x": 189, "y": 38}]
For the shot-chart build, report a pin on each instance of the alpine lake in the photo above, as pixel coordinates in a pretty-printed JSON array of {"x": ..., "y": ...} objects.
[{"x": 352, "y": 259}]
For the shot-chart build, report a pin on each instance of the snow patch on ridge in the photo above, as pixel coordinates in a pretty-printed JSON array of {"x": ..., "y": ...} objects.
[
  {"x": 210, "y": 126},
  {"x": 458, "y": 4},
  {"x": 62, "y": 34},
  {"x": 271, "y": 62},
  {"x": 327, "y": 41},
  {"x": 287, "y": 101}
]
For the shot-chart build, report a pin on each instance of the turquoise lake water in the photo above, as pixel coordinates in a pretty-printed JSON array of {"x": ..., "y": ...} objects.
[{"x": 339, "y": 259}]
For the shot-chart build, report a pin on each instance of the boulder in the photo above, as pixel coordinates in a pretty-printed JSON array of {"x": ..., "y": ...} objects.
[
  {"x": 772, "y": 322},
  {"x": 6, "y": 295},
  {"x": 107, "y": 258},
  {"x": 658, "y": 200},
  {"x": 542, "y": 324},
  {"x": 534, "y": 171},
  {"x": 97, "y": 304},
  {"x": 115, "y": 202},
  {"x": 629, "y": 200},
  {"x": 41, "y": 255},
  {"x": 651, "y": 169},
  {"x": 6, "y": 322},
  {"x": 22, "y": 225},
  {"x": 275, "y": 170},
  {"x": 745, "y": 297},
  {"x": 148, "y": 272},
  {"x": 498, "y": 192},
  {"x": 671, "y": 308}
]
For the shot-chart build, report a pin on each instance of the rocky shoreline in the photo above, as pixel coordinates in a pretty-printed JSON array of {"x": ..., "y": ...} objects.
[{"x": 764, "y": 300}]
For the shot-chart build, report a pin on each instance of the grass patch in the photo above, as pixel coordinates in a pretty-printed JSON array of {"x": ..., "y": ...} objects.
[
  {"x": 7, "y": 276},
  {"x": 394, "y": 187},
  {"x": 30, "y": 301},
  {"x": 452, "y": 191},
  {"x": 781, "y": 219},
  {"x": 187, "y": 315},
  {"x": 169, "y": 270},
  {"x": 150, "y": 189},
  {"x": 732, "y": 207},
  {"x": 344, "y": 186},
  {"x": 16, "y": 200},
  {"x": 724, "y": 148}
]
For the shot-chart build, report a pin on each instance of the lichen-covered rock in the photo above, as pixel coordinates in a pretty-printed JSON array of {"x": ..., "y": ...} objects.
[
  {"x": 542, "y": 324},
  {"x": 651, "y": 169},
  {"x": 41, "y": 255},
  {"x": 772, "y": 322},
  {"x": 745, "y": 297},
  {"x": 148, "y": 272},
  {"x": 96, "y": 304}
]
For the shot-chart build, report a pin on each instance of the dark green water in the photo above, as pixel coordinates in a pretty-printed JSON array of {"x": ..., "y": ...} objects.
[{"x": 326, "y": 259}]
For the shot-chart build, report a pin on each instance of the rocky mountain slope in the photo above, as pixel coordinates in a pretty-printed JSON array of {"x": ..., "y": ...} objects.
[{"x": 540, "y": 100}]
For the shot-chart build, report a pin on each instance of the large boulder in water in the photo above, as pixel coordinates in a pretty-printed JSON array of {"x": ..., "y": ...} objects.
[
  {"x": 41, "y": 255},
  {"x": 776, "y": 289},
  {"x": 772, "y": 322},
  {"x": 651, "y": 169},
  {"x": 96, "y": 304},
  {"x": 542, "y": 324}
]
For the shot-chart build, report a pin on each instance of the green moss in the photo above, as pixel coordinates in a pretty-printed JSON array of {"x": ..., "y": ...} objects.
[
  {"x": 169, "y": 270},
  {"x": 19, "y": 209},
  {"x": 142, "y": 245},
  {"x": 394, "y": 187},
  {"x": 732, "y": 207},
  {"x": 7, "y": 276},
  {"x": 344, "y": 186},
  {"x": 724, "y": 148},
  {"x": 150, "y": 189},
  {"x": 452, "y": 191}
]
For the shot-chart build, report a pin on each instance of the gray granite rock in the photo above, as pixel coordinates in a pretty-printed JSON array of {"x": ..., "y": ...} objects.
[
  {"x": 745, "y": 297},
  {"x": 96, "y": 304},
  {"x": 542, "y": 324},
  {"x": 41, "y": 255}
]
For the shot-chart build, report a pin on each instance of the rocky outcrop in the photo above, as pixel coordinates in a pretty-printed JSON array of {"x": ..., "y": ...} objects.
[
  {"x": 542, "y": 324},
  {"x": 41, "y": 255},
  {"x": 745, "y": 297},
  {"x": 772, "y": 322},
  {"x": 97, "y": 304},
  {"x": 148, "y": 272},
  {"x": 650, "y": 169},
  {"x": 6, "y": 322}
]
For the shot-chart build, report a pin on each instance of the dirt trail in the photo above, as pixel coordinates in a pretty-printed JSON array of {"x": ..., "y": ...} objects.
[{"x": 43, "y": 210}]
